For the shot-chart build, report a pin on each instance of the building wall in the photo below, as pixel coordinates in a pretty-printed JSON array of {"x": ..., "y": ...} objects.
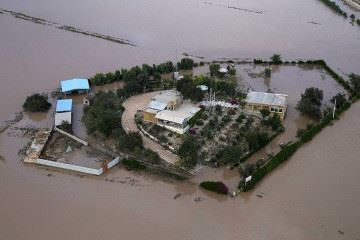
[
  {"x": 257, "y": 107},
  {"x": 149, "y": 117},
  {"x": 62, "y": 117}
]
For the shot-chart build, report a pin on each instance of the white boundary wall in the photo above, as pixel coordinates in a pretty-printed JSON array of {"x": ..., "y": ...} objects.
[{"x": 77, "y": 168}]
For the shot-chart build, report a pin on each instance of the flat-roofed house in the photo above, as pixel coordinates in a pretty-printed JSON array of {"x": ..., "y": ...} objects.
[
  {"x": 79, "y": 85},
  {"x": 167, "y": 100},
  {"x": 168, "y": 110},
  {"x": 177, "y": 120},
  {"x": 275, "y": 103},
  {"x": 63, "y": 111}
]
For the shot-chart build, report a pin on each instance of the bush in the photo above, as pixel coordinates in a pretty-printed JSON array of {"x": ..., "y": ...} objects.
[
  {"x": 37, "y": 103},
  {"x": 226, "y": 119},
  {"x": 276, "y": 59},
  {"x": 151, "y": 156},
  {"x": 186, "y": 64},
  {"x": 310, "y": 102},
  {"x": 132, "y": 164},
  {"x": 66, "y": 126},
  {"x": 188, "y": 152},
  {"x": 230, "y": 154},
  {"x": 232, "y": 71},
  {"x": 128, "y": 142},
  {"x": 199, "y": 122},
  {"x": 214, "y": 69},
  {"x": 103, "y": 114},
  {"x": 217, "y": 187},
  {"x": 355, "y": 82}
]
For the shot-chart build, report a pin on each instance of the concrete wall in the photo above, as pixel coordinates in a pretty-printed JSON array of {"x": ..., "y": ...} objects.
[
  {"x": 62, "y": 117},
  {"x": 77, "y": 168}
]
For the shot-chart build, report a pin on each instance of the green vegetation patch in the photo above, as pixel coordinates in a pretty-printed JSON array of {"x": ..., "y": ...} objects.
[
  {"x": 217, "y": 187},
  {"x": 132, "y": 164},
  {"x": 37, "y": 103}
]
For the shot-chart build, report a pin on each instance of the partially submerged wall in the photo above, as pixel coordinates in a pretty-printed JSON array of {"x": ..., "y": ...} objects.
[{"x": 76, "y": 168}]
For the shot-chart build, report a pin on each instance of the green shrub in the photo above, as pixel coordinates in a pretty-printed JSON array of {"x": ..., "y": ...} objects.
[
  {"x": 217, "y": 187},
  {"x": 188, "y": 152},
  {"x": 37, "y": 103},
  {"x": 66, "y": 126},
  {"x": 132, "y": 164},
  {"x": 103, "y": 114},
  {"x": 186, "y": 64}
]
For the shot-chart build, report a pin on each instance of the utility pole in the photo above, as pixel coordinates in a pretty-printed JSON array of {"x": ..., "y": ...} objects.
[{"x": 334, "y": 109}]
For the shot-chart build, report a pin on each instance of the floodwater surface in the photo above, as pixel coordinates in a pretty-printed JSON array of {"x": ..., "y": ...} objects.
[{"x": 315, "y": 195}]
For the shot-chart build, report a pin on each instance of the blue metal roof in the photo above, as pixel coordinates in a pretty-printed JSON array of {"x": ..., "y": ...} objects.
[
  {"x": 75, "y": 84},
  {"x": 64, "y": 105}
]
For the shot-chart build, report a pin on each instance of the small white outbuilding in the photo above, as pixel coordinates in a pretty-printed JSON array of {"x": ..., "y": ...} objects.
[{"x": 63, "y": 111}]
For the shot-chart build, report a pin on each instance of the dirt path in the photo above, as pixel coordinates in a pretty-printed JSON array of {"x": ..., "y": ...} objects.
[{"x": 132, "y": 105}]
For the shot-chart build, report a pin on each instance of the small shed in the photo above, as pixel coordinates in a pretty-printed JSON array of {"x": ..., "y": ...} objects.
[
  {"x": 63, "y": 111},
  {"x": 79, "y": 85}
]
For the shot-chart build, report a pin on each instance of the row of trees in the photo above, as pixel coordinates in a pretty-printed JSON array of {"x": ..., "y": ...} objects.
[{"x": 145, "y": 73}]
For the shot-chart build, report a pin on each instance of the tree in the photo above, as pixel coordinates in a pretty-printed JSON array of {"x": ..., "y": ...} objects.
[
  {"x": 230, "y": 154},
  {"x": 355, "y": 82},
  {"x": 128, "y": 142},
  {"x": 188, "y": 152},
  {"x": 214, "y": 69},
  {"x": 340, "y": 100},
  {"x": 256, "y": 139},
  {"x": 37, "y": 103},
  {"x": 66, "y": 126},
  {"x": 186, "y": 64},
  {"x": 103, "y": 114},
  {"x": 264, "y": 112},
  {"x": 276, "y": 59},
  {"x": 275, "y": 122},
  {"x": 188, "y": 89},
  {"x": 310, "y": 103}
]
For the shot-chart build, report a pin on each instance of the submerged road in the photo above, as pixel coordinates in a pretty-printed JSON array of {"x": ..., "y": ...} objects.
[{"x": 132, "y": 105}]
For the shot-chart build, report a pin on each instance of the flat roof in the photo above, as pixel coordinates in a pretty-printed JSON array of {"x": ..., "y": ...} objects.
[
  {"x": 185, "y": 112},
  {"x": 75, "y": 84},
  {"x": 151, "y": 110},
  {"x": 64, "y": 105},
  {"x": 267, "y": 98},
  {"x": 157, "y": 105},
  {"x": 167, "y": 96}
]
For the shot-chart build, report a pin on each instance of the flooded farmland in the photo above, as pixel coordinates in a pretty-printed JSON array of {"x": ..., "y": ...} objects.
[{"x": 315, "y": 195}]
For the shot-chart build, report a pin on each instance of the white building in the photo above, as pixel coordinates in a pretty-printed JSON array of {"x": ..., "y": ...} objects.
[
  {"x": 63, "y": 111},
  {"x": 275, "y": 103},
  {"x": 169, "y": 111}
]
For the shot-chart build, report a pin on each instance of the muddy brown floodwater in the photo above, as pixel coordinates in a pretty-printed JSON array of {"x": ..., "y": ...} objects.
[{"x": 315, "y": 195}]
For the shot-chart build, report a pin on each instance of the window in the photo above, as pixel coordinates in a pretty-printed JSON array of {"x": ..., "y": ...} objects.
[
  {"x": 272, "y": 109},
  {"x": 280, "y": 110}
]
